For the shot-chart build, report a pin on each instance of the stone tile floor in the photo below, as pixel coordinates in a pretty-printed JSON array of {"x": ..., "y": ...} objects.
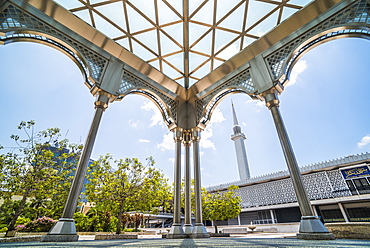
[{"x": 250, "y": 240}]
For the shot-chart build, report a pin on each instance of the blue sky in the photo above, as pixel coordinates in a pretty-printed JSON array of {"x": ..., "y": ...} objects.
[{"x": 325, "y": 112}]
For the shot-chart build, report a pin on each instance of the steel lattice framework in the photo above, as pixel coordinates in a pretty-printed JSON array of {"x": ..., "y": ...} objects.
[
  {"x": 213, "y": 49},
  {"x": 184, "y": 39},
  {"x": 125, "y": 47}
]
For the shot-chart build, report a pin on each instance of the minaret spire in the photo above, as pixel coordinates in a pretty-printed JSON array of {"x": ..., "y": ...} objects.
[
  {"x": 238, "y": 137},
  {"x": 234, "y": 114}
]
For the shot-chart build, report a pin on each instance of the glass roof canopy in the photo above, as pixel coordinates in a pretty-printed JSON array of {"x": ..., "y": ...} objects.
[{"x": 186, "y": 39}]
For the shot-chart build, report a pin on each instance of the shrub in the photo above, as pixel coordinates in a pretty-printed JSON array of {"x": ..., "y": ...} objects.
[
  {"x": 82, "y": 221},
  {"x": 3, "y": 229},
  {"x": 43, "y": 224}
]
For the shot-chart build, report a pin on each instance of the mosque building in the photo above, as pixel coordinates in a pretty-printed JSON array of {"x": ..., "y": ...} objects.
[{"x": 339, "y": 189}]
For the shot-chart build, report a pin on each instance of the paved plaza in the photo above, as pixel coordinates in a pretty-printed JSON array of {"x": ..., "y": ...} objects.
[{"x": 250, "y": 240}]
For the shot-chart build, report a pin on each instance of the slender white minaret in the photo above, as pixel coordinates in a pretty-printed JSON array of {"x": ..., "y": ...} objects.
[{"x": 241, "y": 155}]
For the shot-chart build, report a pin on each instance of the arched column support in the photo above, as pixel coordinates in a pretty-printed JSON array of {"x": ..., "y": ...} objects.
[
  {"x": 65, "y": 229},
  {"x": 188, "y": 227},
  {"x": 176, "y": 229},
  {"x": 199, "y": 230},
  {"x": 310, "y": 226}
]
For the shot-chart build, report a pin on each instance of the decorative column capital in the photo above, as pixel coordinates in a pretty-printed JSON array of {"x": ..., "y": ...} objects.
[
  {"x": 187, "y": 137},
  {"x": 102, "y": 99},
  {"x": 177, "y": 134},
  {"x": 271, "y": 98},
  {"x": 195, "y": 134}
]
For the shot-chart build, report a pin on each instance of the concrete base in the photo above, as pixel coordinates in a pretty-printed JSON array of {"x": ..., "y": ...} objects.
[
  {"x": 312, "y": 224},
  {"x": 59, "y": 238},
  {"x": 188, "y": 229},
  {"x": 311, "y": 228},
  {"x": 315, "y": 236},
  {"x": 64, "y": 227},
  {"x": 199, "y": 231},
  {"x": 200, "y": 235},
  {"x": 176, "y": 229},
  {"x": 63, "y": 231}
]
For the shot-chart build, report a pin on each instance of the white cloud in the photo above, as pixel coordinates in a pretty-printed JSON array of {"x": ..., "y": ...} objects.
[
  {"x": 204, "y": 141},
  {"x": 156, "y": 117},
  {"x": 167, "y": 143},
  {"x": 217, "y": 116},
  {"x": 228, "y": 52},
  {"x": 144, "y": 141},
  {"x": 365, "y": 141},
  {"x": 258, "y": 104},
  {"x": 298, "y": 68},
  {"x": 133, "y": 124}
]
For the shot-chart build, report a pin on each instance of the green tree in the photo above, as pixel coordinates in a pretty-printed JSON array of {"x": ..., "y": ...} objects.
[
  {"x": 131, "y": 186},
  {"x": 223, "y": 205},
  {"x": 39, "y": 171},
  {"x": 203, "y": 193}
]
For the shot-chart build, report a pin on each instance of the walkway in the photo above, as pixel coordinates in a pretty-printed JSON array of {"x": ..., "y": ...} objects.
[{"x": 250, "y": 240}]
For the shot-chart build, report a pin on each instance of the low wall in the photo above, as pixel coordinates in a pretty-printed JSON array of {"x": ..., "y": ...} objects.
[
  {"x": 267, "y": 228},
  {"x": 115, "y": 236},
  {"x": 351, "y": 230}
]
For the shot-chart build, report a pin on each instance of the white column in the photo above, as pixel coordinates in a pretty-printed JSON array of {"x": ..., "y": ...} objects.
[
  {"x": 199, "y": 231},
  {"x": 188, "y": 227},
  {"x": 343, "y": 212},
  {"x": 176, "y": 228},
  {"x": 65, "y": 225}
]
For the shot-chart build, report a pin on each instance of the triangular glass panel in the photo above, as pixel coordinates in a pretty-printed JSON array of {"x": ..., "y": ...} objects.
[
  {"x": 204, "y": 45},
  {"x": 265, "y": 26},
  {"x": 146, "y": 7},
  {"x": 204, "y": 70},
  {"x": 175, "y": 31},
  {"x": 235, "y": 20},
  {"x": 105, "y": 27},
  {"x": 287, "y": 12},
  {"x": 149, "y": 39},
  {"x": 114, "y": 12},
  {"x": 84, "y": 15},
  {"x": 299, "y": 2},
  {"x": 167, "y": 45},
  {"x": 166, "y": 15},
  {"x": 124, "y": 43},
  {"x": 142, "y": 52},
  {"x": 257, "y": 10},
  {"x": 177, "y": 5},
  {"x": 195, "y": 61},
  {"x": 181, "y": 82},
  {"x": 155, "y": 64},
  {"x": 177, "y": 61},
  {"x": 71, "y": 4},
  {"x": 136, "y": 21},
  {"x": 222, "y": 39},
  {"x": 205, "y": 14},
  {"x": 247, "y": 41},
  {"x": 194, "y": 4},
  {"x": 229, "y": 51},
  {"x": 170, "y": 72},
  {"x": 196, "y": 31},
  {"x": 97, "y": 1},
  {"x": 223, "y": 7},
  {"x": 217, "y": 63}
]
